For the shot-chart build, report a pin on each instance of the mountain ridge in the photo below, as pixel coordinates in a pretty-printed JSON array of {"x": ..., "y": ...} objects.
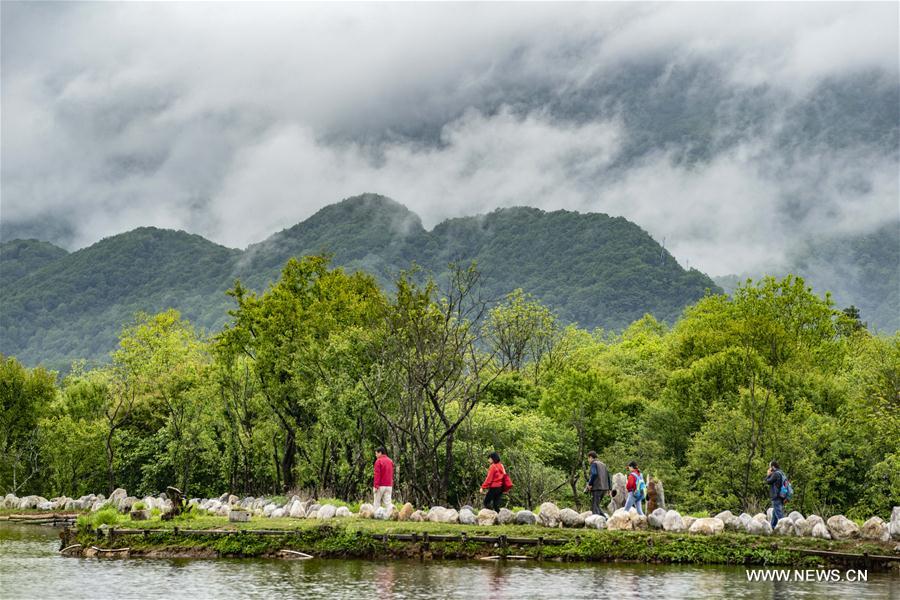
[{"x": 591, "y": 268}]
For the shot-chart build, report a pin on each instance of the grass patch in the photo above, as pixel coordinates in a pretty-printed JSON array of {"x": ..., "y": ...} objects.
[{"x": 356, "y": 538}]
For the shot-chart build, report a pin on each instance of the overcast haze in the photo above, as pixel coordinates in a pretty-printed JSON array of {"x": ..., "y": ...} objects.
[{"x": 732, "y": 130}]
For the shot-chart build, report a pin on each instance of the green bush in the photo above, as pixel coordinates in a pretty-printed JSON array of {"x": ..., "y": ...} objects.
[{"x": 107, "y": 515}]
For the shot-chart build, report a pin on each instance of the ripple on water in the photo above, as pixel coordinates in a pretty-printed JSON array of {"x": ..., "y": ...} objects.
[{"x": 30, "y": 567}]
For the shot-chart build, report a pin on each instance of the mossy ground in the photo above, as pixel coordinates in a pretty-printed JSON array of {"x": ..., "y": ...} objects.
[{"x": 353, "y": 538}]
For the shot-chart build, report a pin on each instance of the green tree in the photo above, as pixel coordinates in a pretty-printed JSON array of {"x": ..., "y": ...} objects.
[
  {"x": 285, "y": 332},
  {"x": 25, "y": 394}
]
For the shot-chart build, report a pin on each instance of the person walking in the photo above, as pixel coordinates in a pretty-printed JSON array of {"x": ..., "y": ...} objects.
[
  {"x": 599, "y": 483},
  {"x": 635, "y": 486},
  {"x": 494, "y": 483},
  {"x": 775, "y": 479},
  {"x": 383, "y": 485}
]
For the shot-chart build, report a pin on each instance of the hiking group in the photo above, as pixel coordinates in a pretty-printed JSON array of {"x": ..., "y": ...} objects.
[
  {"x": 599, "y": 484},
  {"x": 498, "y": 482}
]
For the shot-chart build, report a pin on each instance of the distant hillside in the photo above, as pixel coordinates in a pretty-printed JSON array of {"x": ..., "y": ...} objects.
[
  {"x": 21, "y": 257},
  {"x": 74, "y": 306},
  {"x": 591, "y": 268},
  {"x": 858, "y": 269}
]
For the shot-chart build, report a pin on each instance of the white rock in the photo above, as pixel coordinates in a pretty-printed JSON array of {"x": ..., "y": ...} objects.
[
  {"x": 813, "y": 520},
  {"x": 672, "y": 521},
  {"x": 595, "y": 522},
  {"x": 638, "y": 522},
  {"x": 785, "y": 527},
  {"x": 688, "y": 521},
  {"x": 707, "y": 526},
  {"x": 618, "y": 493},
  {"x": 819, "y": 530},
  {"x": 570, "y": 518},
  {"x": 759, "y": 527},
  {"x": 842, "y": 528},
  {"x": 326, "y": 511},
  {"x": 525, "y": 517},
  {"x": 619, "y": 521},
  {"x": 795, "y": 516},
  {"x": 875, "y": 529},
  {"x": 366, "y": 511},
  {"x": 276, "y": 514},
  {"x": 268, "y": 509},
  {"x": 417, "y": 517},
  {"x": 894, "y": 527},
  {"x": 549, "y": 515},
  {"x": 505, "y": 516},
  {"x": 450, "y": 516},
  {"x": 297, "y": 511},
  {"x": 655, "y": 519},
  {"x": 802, "y": 527},
  {"x": 343, "y": 512},
  {"x": 467, "y": 517},
  {"x": 435, "y": 513},
  {"x": 486, "y": 517}
]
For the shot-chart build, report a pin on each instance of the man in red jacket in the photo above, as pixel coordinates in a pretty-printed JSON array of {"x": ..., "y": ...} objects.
[{"x": 384, "y": 479}]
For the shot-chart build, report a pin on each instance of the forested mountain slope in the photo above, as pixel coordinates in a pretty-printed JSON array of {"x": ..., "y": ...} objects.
[{"x": 593, "y": 269}]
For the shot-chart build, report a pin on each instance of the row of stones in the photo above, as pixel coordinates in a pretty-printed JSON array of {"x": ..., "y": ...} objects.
[{"x": 548, "y": 515}]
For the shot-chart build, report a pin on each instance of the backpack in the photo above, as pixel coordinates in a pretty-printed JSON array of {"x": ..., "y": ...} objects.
[
  {"x": 787, "y": 490},
  {"x": 640, "y": 488},
  {"x": 507, "y": 483}
]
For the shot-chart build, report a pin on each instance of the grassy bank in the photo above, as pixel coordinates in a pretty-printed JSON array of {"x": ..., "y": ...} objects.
[{"x": 357, "y": 538}]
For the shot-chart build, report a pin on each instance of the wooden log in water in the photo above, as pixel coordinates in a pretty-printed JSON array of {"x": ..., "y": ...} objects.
[{"x": 295, "y": 554}]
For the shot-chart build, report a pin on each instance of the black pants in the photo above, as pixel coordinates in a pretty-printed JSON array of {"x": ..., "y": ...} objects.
[
  {"x": 596, "y": 501},
  {"x": 493, "y": 498}
]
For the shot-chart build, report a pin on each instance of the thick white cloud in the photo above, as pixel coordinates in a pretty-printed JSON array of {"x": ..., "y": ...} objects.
[{"x": 235, "y": 120}]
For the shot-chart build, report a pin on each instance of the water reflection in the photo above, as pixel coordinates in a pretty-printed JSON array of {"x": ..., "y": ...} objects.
[{"x": 30, "y": 567}]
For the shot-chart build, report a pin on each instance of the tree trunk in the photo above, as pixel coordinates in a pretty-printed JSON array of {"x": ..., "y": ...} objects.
[
  {"x": 109, "y": 463},
  {"x": 288, "y": 460}
]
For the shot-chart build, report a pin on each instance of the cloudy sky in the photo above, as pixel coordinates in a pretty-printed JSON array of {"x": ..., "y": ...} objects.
[{"x": 732, "y": 130}]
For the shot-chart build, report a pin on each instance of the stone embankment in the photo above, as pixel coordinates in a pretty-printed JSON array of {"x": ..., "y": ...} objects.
[{"x": 549, "y": 515}]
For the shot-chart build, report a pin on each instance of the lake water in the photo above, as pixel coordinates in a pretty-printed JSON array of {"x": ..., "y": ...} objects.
[{"x": 30, "y": 567}]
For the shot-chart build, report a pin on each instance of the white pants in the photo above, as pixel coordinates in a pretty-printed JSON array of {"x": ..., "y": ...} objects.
[{"x": 383, "y": 497}]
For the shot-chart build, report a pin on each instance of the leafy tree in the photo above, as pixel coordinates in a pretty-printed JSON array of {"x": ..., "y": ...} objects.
[
  {"x": 427, "y": 376},
  {"x": 285, "y": 332},
  {"x": 25, "y": 395}
]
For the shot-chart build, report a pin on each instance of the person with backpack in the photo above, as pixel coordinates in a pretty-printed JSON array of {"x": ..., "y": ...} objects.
[
  {"x": 779, "y": 491},
  {"x": 636, "y": 488},
  {"x": 599, "y": 483},
  {"x": 495, "y": 484}
]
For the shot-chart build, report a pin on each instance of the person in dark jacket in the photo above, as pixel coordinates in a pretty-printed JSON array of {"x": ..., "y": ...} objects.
[
  {"x": 599, "y": 483},
  {"x": 493, "y": 483},
  {"x": 775, "y": 479}
]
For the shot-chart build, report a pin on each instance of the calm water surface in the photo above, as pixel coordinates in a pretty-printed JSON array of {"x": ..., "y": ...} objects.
[{"x": 30, "y": 567}]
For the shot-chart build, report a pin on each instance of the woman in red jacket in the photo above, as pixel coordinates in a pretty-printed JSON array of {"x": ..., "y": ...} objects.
[{"x": 493, "y": 483}]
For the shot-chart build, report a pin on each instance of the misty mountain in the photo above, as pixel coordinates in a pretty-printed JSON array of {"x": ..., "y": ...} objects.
[
  {"x": 591, "y": 268},
  {"x": 861, "y": 269},
  {"x": 21, "y": 257}
]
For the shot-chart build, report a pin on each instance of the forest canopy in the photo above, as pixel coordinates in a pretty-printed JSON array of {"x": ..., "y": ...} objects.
[{"x": 309, "y": 376}]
